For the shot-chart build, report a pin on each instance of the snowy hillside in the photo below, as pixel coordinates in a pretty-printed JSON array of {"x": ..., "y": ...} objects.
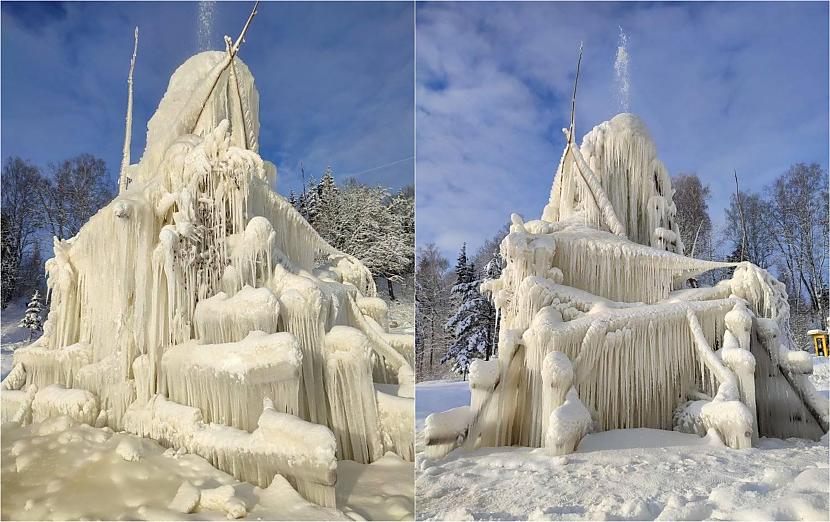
[
  {"x": 649, "y": 475},
  {"x": 13, "y": 336}
]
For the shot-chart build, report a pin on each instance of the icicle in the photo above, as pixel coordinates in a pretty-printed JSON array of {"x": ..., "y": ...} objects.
[
  {"x": 228, "y": 381},
  {"x": 351, "y": 396}
]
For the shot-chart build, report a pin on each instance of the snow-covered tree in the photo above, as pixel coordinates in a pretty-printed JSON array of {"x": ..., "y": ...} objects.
[
  {"x": 33, "y": 320},
  {"x": 292, "y": 198},
  {"x": 432, "y": 308},
  {"x": 21, "y": 219},
  {"x": 470, "y": 325},
  {"x": 402, "y": 208},
  {"x": 329, "y": 215},
  {"x": 310, "y": 201}
]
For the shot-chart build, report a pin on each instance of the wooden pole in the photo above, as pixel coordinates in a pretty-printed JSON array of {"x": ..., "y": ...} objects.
[{"x": 241, "y": 37}]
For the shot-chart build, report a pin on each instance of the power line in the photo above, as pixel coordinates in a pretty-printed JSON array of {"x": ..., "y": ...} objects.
[{"x": 379, "y": 167}]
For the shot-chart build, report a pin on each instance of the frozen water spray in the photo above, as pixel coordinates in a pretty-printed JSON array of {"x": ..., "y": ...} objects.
[
  {"x": 621, "y": 72},
  {"x": 204, "y": 30}
]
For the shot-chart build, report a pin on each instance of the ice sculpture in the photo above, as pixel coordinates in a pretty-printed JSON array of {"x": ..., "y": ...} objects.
[
  {"x": 200, "y": 309},
  {"x": 597, "y": 331}
]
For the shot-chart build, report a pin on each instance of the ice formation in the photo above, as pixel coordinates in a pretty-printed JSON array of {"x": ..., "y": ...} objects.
[
  {"x": 200, "y": 309},
  {"x": 598, "y": 331}
]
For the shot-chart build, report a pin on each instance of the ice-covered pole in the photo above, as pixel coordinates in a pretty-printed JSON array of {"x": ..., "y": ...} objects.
[
  {"x": 572, "y": 127},
  {"x": 595, "y": 185},
  {"x": 123, "y": 180}
]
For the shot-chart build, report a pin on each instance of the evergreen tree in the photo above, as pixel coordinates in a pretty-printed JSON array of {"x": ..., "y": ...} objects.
[
  {"x": 329, "y": 216},
  {"x": 292, "y": 198},
  {"x": 470, "y": 324},
  {"x": 327, "y": 186},
  {"x": 33, "y": 320},
  {"x": 311, "y": 201}
]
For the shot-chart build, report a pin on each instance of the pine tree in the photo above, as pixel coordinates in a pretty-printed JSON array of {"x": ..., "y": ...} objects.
[
  {"x": 329, "y": 217},
  {"x": 33, "y": 320},
  {"x": 470, "y": 324},
  {"x": 327, "y": 186},
  {"x": 311, "y": 201},
  {"x": 292, "y": 198}
]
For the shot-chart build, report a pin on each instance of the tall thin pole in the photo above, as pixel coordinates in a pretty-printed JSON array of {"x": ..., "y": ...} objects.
[
  {"x": 741, "y": 214},
  {"x": 124, "y": 181},
  {"x": 573, "y": 97},
  {"x": 241, "y": 37}
]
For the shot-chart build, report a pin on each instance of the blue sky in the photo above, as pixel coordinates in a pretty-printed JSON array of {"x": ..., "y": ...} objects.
[
  {"x": 719, "y": 85},
  {"x": 335, "y": 80}
]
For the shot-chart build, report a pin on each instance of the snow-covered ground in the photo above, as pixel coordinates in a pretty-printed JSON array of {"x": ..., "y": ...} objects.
[
  {"x": 402, "y": 309},
  {"x": 56, "y": 470},
  {"x": 12, "y": 336},
  {"x": 622, "y": 474},
  {"x": 821, "y": 375}
]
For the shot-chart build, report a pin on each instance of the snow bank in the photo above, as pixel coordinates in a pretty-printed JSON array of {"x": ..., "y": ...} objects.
[
  {"x": 58, "y": 470},
  {"x": 446, "y": 430},
  {"x": 637, "y": 474},
  {"x": 301, "y": 451}
]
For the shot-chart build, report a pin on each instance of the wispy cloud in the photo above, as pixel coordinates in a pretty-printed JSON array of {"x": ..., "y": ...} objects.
[
  {"x": 335, "y": 80},
  {"x": 720, "y": 86}
]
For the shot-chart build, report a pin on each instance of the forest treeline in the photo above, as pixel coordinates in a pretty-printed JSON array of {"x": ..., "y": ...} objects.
[
  {"x": 38, "y": 204},
  {"x": 370, "y": 223},
  {"x": 782, "y": 228}
]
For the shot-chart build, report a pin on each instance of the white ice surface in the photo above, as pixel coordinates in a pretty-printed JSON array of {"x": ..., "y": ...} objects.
[
  {"x": 646, "y": 475},
  {"x": 54, "y": 471}
]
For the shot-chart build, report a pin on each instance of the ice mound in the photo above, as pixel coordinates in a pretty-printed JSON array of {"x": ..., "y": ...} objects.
[
  {"x": 199, "y": 294},
  {"x": 597, "y": 331}
]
